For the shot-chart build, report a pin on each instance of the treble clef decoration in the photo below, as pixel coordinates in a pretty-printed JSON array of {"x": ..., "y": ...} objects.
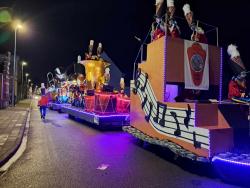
[
  {"x": 137, "y": 82},
  {"x": 146, "y": 82},
  {"x": 138, "y": 73},
  {"x": 137, "y": 85}
]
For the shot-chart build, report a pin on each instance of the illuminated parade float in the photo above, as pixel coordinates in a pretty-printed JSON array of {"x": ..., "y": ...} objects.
[
  {"x": 58, "y": 90},
  {"x": 91, "y": 97},
  {"x": 176, "y": 100},
  {"x": 175, "y": 96}
]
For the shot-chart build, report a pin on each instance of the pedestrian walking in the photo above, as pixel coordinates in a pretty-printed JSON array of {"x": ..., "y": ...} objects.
[{"x": 43, "y": 102}]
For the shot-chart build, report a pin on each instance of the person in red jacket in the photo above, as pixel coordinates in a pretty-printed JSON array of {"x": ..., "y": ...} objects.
[
  {"x": 43, "y": 102},
  {"x": 237, "y": 88}
]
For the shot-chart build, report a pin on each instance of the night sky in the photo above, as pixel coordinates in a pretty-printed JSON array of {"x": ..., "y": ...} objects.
[{"x": 59, "y": 31}]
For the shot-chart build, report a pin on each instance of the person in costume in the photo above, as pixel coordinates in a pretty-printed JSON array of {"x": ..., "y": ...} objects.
[
  {"x": 99, "y": 50},
  {"x": 237, "y": 88},
  {"x": 198, "y": 33},
  {"x": 122, "y": 85},
  {"x": 237, "y": 85},
  {"x": 88, "y": 55},
  {"x": 160, "y": 29},
  {"x": 107, "y": 76}
]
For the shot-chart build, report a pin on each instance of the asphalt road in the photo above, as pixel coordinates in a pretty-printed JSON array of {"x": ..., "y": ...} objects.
[{"x": 65, "y": 153}]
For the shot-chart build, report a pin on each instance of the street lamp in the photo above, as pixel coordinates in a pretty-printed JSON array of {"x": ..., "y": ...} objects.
[
  {"x": 26, "y": 75},
  {"x": 17, "y": 26},
  {"x": 23, "y": 64},
  {"x": 26, "y": 82},
  {"x": 28, "y": 88}
]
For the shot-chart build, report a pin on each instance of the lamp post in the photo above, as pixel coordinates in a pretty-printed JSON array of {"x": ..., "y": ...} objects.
[
  {"x": 26, "y": 75},
  {"x": 26, "y": 82},
  {"x": 23, "y": 64},
  {"x": 28, "y": 88},
  {"x": 16, "y": 27}
]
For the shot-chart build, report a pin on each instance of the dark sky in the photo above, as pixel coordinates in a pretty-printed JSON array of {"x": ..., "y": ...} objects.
[{"x": 58, "y": 31}]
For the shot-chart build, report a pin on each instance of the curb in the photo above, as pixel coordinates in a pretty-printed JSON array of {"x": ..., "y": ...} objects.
[{"x": 18, "y": 150}]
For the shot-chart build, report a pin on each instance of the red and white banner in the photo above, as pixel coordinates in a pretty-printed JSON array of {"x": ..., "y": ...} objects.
[{"x": 196, "y": 65}]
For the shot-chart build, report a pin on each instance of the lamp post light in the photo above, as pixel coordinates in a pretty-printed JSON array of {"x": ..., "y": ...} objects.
[
  {"x": 26, "y": 75},
  {"x": 17, "y": 26},
  {"x": 23, "y": 64}
]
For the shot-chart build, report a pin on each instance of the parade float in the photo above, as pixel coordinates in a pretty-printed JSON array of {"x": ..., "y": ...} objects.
[
  {"x": 58, "y": 90},
  {"x": 93, "y": 99},
  {"x": 176, "y": 102}
]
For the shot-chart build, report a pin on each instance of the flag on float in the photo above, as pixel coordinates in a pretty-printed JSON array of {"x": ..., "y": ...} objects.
[{"x": 196, "y": 65}]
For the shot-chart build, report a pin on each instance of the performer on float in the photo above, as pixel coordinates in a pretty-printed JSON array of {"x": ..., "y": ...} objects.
[
  {"x": 99, "y": 50},
  {"x": 198, "y": 33},
  {"x": 88, "y": 55},
  {"x": 122, "y": 86},
  {"x": 60, "y": 76},
  {"x": 43, "y": 89},
  {"x": 237, "y": 86},
  {"x": 172, "y": 27},
  {"x": 107, "y": 76}
]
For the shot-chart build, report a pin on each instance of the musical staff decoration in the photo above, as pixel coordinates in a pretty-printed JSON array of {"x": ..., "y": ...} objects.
[
  {"x": 144, "y": 102},
  {"x": 174, "y": 122},
  {"x": 162, "y": 121},
  {"x": 157, "y": 113},
  {"x": 177, "y": 132},
  {"x": 196, "y": 143},
  {"x": 187, "y": 118},
  {"x": 137, "y": 85},
  {"x": 147, "y": 117}
]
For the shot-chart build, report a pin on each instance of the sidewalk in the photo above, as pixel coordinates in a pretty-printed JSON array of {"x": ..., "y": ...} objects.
[{"x": 12, "y": 126}]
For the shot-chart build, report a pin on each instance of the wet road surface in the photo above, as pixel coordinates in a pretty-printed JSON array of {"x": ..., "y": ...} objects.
[{"x": 65, "y": 153}]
